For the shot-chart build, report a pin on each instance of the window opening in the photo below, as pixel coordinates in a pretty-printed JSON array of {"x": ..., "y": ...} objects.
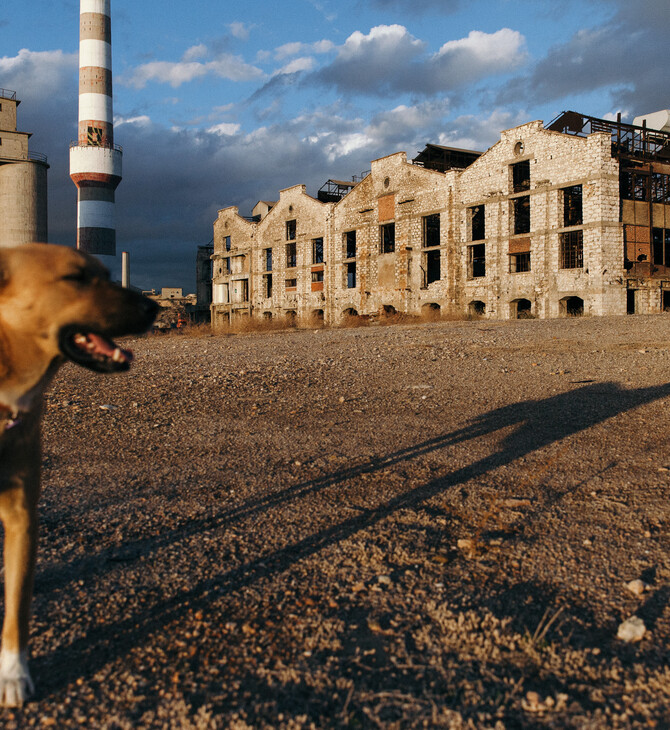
[
  {"x": 431, "y": 230},
  {"x": 660, "y": 246},
  {"x": 477, "y": 223},
  {"x": 477, "y": 260},
  {"x": 519, "y": 262},
  {"x": 521, "y": 210},
  {"x": 351, "y": 275},
  {"x": 431, "y": 268},
  {"x": 572, "y": 206},
  {"x": 572, "y": 250},
  {"x": 521, "y": 176},
  {"x": 291, "y": 230},
  {"x": 291, "y": 256},
  {"x": 387, "y": 238},
  {"x": 350, "y": 245},
  {"x": 317, "y": 251}
]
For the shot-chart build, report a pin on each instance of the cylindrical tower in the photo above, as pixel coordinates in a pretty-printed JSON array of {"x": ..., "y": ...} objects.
[{"x": 95, "y": 161}]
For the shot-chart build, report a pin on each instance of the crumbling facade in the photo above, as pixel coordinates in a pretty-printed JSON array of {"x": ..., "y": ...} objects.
[{"x": 569, "y": 219}]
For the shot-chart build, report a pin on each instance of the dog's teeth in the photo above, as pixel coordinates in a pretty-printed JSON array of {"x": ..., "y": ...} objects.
[
  {"x": 117, "y": 356},
  {"x": 90, "y": 347}
]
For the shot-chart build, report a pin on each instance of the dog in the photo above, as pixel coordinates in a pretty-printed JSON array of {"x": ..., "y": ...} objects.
[{"x": 56, "y": 304}]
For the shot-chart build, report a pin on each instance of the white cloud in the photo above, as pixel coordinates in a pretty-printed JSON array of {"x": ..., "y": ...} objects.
[
  {"x": 141, "y": 120},
  {"x": 224, "y": 66},
  {"x": 295, "y": 48},
  {"x": 389, "y": 60},
  {"x": 225, "y": 129},
  {"x": 239, "y": 30},
  {"x": 195, "y": 52},
  {"x": 296, "y": 65},
  {"x": 34, "y": 74}
]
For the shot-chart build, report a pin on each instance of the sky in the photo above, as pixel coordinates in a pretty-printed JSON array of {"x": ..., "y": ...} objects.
[{"x": 221, "y": 103}]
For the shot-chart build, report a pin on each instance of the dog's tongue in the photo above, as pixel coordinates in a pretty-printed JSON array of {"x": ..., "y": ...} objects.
[{"x": 110, "y": 349}]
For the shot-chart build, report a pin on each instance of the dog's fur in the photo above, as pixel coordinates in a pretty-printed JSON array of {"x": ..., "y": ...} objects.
[{"x": 56, "y": 304}]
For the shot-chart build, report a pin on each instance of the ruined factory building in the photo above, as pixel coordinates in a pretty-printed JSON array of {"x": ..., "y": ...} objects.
[{"x": 560, "y": 220}]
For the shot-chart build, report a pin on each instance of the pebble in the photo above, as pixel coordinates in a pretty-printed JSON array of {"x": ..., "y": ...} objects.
[
  {"x": 631, "y": 630},
  {"x": 636, "y": 586}
]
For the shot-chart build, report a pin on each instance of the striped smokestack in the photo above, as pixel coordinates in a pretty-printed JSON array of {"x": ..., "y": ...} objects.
[{"x": 95, "y": 162}]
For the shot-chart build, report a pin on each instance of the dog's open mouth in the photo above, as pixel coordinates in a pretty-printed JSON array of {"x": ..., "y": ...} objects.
[{"x": 93, "y": 350}]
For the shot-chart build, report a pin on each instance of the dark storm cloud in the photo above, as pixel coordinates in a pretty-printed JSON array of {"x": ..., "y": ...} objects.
[{"x": 627, "y": 55}]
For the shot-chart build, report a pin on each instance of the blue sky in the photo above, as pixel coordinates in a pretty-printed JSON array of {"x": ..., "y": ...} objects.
[{"x": 221, "y": 104}]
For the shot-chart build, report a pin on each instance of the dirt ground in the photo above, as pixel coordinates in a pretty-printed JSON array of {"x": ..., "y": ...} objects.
[{"x": 419, "y": 525}]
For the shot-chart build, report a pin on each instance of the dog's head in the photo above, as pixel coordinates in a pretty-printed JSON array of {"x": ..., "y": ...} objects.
[{"x": 59, "y": 301}]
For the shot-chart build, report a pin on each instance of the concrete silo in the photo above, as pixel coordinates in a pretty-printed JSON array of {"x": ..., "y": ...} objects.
[{"x": 23, "y": 181}]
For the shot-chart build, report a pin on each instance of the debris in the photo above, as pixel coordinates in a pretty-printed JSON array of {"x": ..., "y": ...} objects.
[
  {"x": 632, "y": 629},
  {"x": 108, "y": 407},
  {"x": 636, "y": 586}
]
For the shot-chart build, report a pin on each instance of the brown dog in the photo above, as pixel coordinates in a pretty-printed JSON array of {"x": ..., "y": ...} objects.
[{"x": 56, "y": 304}]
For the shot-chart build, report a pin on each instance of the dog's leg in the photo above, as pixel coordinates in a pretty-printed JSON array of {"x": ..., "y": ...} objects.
[{"x": 19, "y": 518}]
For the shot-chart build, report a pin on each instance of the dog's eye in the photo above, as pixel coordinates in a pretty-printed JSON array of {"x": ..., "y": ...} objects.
[{"x": 80, "y": 277}]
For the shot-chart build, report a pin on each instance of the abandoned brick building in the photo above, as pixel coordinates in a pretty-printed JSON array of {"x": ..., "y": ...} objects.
[{"x": 572, "y": 218}]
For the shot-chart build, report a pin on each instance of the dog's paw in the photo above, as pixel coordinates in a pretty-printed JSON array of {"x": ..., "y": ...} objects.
[{"x": 16, "y": 684}]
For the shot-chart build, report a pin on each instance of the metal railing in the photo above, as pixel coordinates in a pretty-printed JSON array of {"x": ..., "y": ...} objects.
[
  {"x": 37, "y": 156},
  {"x": 116, "y": 147},
  {"x": 7, "y": 94}
]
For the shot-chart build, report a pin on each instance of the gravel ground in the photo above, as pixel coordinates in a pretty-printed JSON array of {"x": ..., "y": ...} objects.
[{"x": 418, "y": 525}]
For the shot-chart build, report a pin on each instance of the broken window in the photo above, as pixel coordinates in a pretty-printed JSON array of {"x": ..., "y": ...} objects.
[
  {"x": 227, "y": 242},
  {"x": 291, "y": 284},
  {"x": 660, "y": 246},
  {"x": 431, "y": 230},
  {"x": 317, "y": 276},
  {"x": 290, "y": 230},
  {"x": 94, "y": 136},
  {"x": 476, "y": 261},
  {"x": 317, "y": 251},
  {"x": 351, "y": 275},
  {"x": 291, "y": 256},
  {"x": 267, "y": 285},
  {"x": 226, "y": 265},
  {"x": 519, "y": 262},
  {"x": 660, "y": 188},
  {"x": 477, "y": 223},
  {"x": 521, "y": 214},
  {"x": 350, "y": 245},
  {"x": 572, "y": 250},
  {"x": 521, "y": 176},
  {"x": 387, "y": 238},
  {"x": 634, "y": 185},
  {"x": 431, "y": 266},
  {"x": 572, "y": 206},
  {"x": 268, "y": 259}
]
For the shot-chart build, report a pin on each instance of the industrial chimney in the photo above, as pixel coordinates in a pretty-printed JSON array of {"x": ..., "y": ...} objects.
[{"x": 95, "y": 162}]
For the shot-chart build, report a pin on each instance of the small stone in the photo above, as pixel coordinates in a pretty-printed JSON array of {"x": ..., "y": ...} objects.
[
  {"x": 384, "y": 580},
  {"x": 341, "y": 399},
  {"x": 636, "y": 586},
  {"x": 632, "y": 629},
  {"x": 587, "y": 542},
  {"x": 108, "y": 407}
]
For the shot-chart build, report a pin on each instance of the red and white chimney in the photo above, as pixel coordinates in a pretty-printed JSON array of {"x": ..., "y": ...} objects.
[{"x": 95, "y": 161}]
